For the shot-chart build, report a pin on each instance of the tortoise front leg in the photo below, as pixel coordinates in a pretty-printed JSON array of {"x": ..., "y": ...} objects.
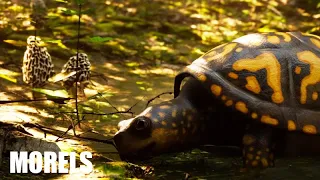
[{"x": 258, "y": 151}]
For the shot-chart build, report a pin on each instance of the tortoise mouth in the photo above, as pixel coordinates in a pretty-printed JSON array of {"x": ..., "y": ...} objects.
[{"x": 139, "y": 155}]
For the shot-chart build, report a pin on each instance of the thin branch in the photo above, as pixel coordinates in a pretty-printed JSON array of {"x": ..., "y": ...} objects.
[
  {"x": 33, "y": 100},
  {"x": 42, "y": 128},
  {"x": 99, "y": 114},
  {"x": 106, "y": 141},
  {"x": 50, "y": 131},
  {"x": 158, "y": 96},
  {"x": 77, "y": 64},
  {"x": 113, "y": 105},
  {"x": 72, "y": 126}
]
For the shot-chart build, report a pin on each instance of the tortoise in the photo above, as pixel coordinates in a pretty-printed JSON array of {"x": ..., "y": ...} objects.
[{"x": 259, "y": 92}]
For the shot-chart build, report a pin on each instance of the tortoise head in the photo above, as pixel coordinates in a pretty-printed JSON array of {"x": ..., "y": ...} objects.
[{"x": 166, "y": 127}]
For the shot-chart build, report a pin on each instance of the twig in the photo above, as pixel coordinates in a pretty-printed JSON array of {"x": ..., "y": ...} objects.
[
  {"x": 158, "y": 96},
  {"x": 106, "y": 141},
  {"x": 110, "y": 103},
  {"x": 77, "y": 65},
  {"x": 72, "y": 126},
  {"x": 33, "y": 100},
  {"x": 99, "y": 114},
  {"x": 14, "y": 127},
  {"x": 42, "y": 128},
  {"x": 50, "y": 131}
]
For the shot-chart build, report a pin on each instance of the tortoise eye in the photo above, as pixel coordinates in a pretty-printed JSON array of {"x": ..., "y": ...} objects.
[{"x": 142, "y": 123}]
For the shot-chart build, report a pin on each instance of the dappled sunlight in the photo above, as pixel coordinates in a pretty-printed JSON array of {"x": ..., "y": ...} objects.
[
  {"x": 39, "y": 134},
  {"x": 111, "y": 66},
  {"x": 155, "y": 71},
  {"x": 15, "y": 43},
  {"x": 98, "y": 87},
  {"x": 8, "y": 75},
  {"x": 117, "y": 78},
  {"x": 19, "y": 113}
]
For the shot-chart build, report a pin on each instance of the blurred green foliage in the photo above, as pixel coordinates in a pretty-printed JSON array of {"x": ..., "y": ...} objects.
[{"x": 157, "y": 31}]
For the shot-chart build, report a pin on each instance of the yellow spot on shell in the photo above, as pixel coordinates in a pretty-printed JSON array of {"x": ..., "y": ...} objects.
[
  {"x": 216, "y": 90},
  {"x": 257, "y": 157},
  {"x": 161, "y": 114},
  {"x": 239, "y": 49},
  {"x": 249, "y": 156},
  {"x": 247, "y": 139},
  {"x": 315, "y": 42},
  {"x": 202, "y": 77},
  {"x": 229, "y": 103},
  {"x": 254, "y": 163},
  {"x": 273, "y": 39},
  {"x": 314, "y": 96},
  {"x": 264, "y": 162},
  {"x": 155, "y": 120},
  {"x": 241, "y": 106},
  {"x": 174, "y": 125},
  {"x": 233, "y": 75},
  {"x": 254, "y": 115},
  {"x": 291, "y": 125},
  {"x": 269, "y": 120},
  {"x": 309, "y": 129},
  {"x": 297, "y": 70},
  {"x": 212, "y": 55},
  {"x": 253, "y": 84},
  {"x": 174, "y": 113},
  {"x": 224, "y": 97},
  {"x": 313, "y": 77},
  {"x": 163, "y": 123},
  {"x": 264, "y": 61},
  {"x": 287, "y": 37}
]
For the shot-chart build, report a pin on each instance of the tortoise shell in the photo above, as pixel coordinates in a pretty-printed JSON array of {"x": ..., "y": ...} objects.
[{"x": 272, "y": 77}]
